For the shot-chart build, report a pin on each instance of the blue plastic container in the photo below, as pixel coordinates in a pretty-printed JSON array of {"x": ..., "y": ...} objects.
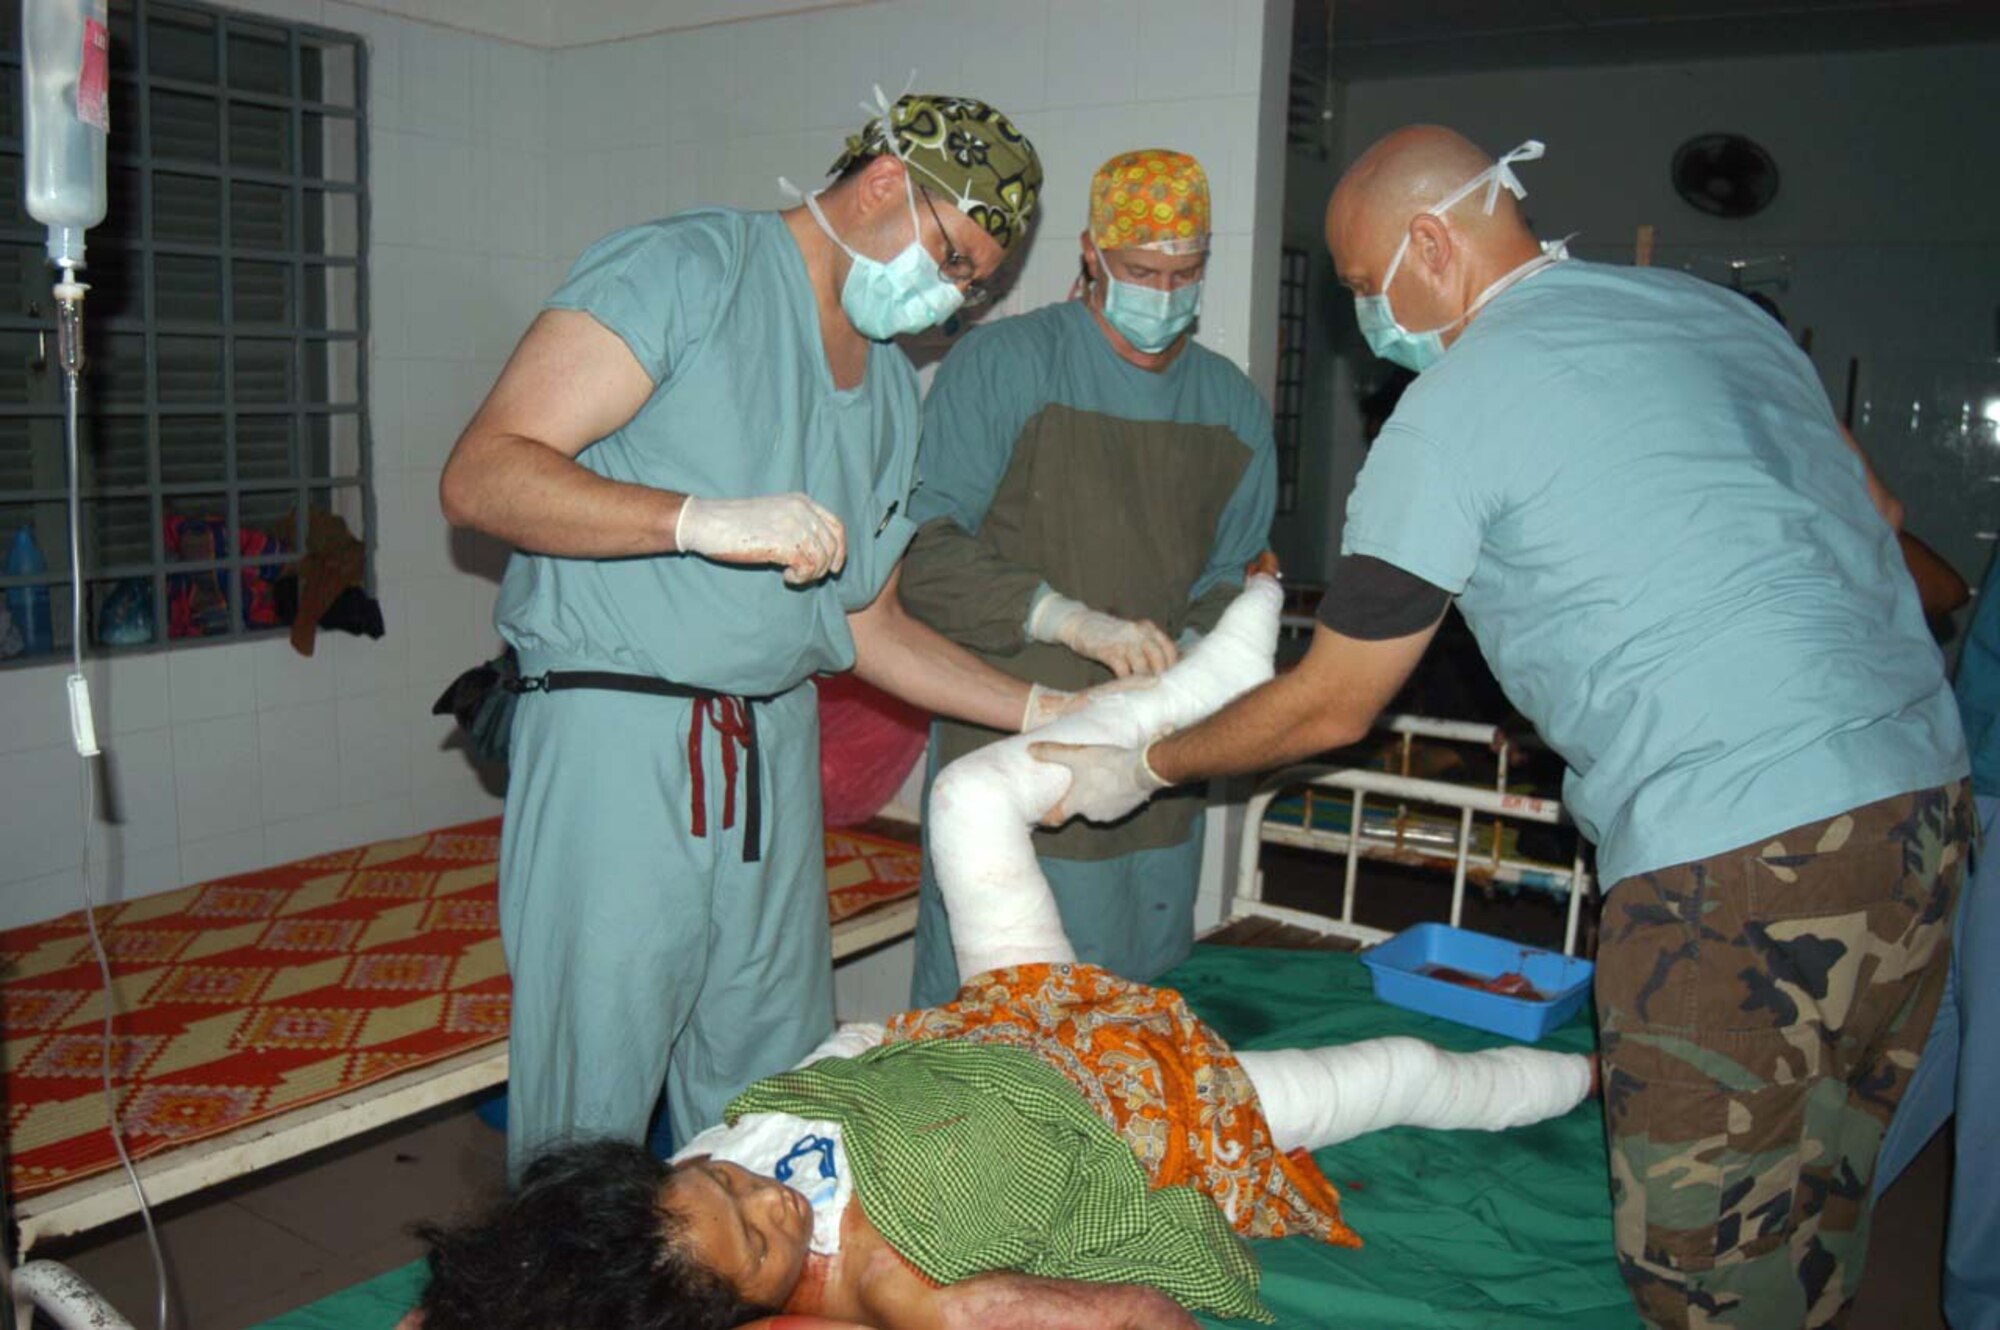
[{"x": 1397, "y": 965}]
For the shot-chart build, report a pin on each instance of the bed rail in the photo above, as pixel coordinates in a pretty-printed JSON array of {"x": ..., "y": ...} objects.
[{"x": 1404, "y": 839}]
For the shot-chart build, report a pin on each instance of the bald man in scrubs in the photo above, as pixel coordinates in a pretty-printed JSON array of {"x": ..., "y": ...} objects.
[{"x": 1632, "y": 484}]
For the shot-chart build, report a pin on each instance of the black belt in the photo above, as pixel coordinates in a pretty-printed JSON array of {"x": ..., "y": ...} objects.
[{"x": 734, "y": 718}]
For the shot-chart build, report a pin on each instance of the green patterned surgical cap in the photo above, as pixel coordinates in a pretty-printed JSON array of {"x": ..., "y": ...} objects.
[{"x": 962, "y": 148}]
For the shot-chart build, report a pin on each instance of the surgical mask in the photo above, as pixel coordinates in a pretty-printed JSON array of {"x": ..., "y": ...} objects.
[
  {"x": 1418, "y": 351},
  {"x": 1149, "y": 319},
  {"x": 905, "y": 295}
]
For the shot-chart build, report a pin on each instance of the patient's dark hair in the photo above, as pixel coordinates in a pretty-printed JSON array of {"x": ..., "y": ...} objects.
[{"x": 582, "y": 1243}]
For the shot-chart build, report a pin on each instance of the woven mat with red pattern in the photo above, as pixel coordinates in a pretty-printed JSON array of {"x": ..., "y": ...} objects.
[{"x": 254, "y": 995}]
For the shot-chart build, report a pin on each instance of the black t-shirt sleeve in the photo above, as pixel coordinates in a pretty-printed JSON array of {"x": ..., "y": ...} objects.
[{"x": 1374, "y": 601}]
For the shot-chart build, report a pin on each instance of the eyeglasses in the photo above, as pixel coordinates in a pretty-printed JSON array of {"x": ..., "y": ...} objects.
[{"x": 956, "y": 268}]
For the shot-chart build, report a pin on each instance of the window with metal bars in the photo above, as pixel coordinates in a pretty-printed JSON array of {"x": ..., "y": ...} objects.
[
  {"x": 1288, "y": 408},
  {"x": 224, "y": 398}
]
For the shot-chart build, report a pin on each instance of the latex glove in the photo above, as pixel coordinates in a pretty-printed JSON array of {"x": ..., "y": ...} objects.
[
  {"x": 1046, "y": 704},
  {"x": 1125, "y": 646},
  {"x": 1105, "y": 783},
  {"x": 785, "y": 529}
]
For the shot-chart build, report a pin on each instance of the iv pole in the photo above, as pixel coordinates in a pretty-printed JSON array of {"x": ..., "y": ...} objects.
[{"x": 65, "y": 55}]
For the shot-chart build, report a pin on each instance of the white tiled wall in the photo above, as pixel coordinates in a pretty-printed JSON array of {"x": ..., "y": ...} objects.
[
  {"x": 716, "y": 115},
  {"x": 491, "y": 165}
]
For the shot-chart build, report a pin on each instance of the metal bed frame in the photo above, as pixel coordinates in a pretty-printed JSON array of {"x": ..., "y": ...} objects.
[{"x": 1402, "y": 840}]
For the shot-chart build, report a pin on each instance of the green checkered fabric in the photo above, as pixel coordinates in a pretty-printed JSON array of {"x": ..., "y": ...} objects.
[{"x": 972, "y": 1158}]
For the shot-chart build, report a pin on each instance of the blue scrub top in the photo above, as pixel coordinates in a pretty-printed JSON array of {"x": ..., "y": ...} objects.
[
  {"x": 1979, "y": 686},
  {"x": 1634, "y": 484},
  {"x": 717, "y": 307}
]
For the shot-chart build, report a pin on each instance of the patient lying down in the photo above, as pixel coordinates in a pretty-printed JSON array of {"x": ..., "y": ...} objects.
[{"x": 1055, "y": 1148}]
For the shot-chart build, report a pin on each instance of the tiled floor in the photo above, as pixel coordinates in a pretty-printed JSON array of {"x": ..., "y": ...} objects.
[{"x": 242, "y": 1254}]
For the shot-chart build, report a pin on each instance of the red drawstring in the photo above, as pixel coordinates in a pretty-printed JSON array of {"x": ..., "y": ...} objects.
[{"x": 732, "y": 723}]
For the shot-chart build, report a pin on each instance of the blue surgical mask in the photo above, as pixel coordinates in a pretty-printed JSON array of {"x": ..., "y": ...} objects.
[
  {"x": 907, "y": 294},
  {"x": 1414, "y": 351},
  {"x": 1418, "y": 351},
  {"x": 1149, "y": 319}
]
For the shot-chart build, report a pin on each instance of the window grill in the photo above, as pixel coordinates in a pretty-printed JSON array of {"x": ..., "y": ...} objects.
[{"x": 224, "y": 398}]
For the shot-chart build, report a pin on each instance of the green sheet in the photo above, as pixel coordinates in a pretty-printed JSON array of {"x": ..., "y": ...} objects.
[
  {"x": 1463, "y": 1229},
  {"x": 375, "y": 1305}
]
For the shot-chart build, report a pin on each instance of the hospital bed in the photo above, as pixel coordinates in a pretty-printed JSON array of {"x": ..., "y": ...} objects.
[
  {"x": 1392, "y": 815},
  {"x": 872, "y": 885},
  {"x": 1504, "y": 1232}
]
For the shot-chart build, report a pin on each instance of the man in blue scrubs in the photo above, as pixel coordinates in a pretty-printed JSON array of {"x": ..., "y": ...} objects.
[
  {"x": 1633, "y": 485},
  {"x": 1095, "y": 481},
  {"x": 702, "y": 452}
]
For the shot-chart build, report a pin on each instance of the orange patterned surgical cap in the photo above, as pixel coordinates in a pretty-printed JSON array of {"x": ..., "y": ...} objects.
[{"x": 1154, "y": 199}]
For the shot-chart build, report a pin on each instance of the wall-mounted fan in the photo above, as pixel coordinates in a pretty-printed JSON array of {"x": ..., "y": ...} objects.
[{"x": 1725, "y": 175}]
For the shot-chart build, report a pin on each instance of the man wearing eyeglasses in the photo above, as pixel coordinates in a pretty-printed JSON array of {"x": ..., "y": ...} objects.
[
  {"x": 1093, "y": 484},
  {"x": 702, "y": 451}
]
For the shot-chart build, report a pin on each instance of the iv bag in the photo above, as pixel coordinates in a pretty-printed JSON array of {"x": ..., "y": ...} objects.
[{"x": 66, "y": 60}]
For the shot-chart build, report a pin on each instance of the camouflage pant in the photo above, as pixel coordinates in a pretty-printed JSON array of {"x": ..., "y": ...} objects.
[{"x": 1761, "y": 1012}]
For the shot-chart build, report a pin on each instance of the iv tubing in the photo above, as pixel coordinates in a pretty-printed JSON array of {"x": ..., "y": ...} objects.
[{"x": 69, "y": 349}]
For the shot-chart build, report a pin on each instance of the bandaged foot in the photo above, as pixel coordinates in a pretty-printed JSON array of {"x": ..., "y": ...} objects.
[
  {"x": 1316, "y": 1097},
  {"x": 984, "y": 807}
]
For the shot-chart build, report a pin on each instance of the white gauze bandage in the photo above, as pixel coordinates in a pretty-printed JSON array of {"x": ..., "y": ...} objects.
[
  {"x": 984, "y": 807},
  {"x": 1316, "y": 1097}
]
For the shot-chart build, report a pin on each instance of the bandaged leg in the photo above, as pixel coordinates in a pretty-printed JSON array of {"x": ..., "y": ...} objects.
[
  {"x": 984, "y": 807},
  {"x": 1316, "y": 1097}
]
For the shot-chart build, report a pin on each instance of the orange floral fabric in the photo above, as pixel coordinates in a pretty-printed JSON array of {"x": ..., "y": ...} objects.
[
  {"x": 1162, "y": 1079},
  {"x": 1151, "y": 199}
]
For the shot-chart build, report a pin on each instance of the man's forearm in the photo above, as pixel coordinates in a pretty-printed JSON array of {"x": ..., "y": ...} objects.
[
  {"x": 961, "y": 586},
  {"x": 908, "y": 659},
  {"x": 1270, "y": 726},
  {"x": 534, "y": 498}
]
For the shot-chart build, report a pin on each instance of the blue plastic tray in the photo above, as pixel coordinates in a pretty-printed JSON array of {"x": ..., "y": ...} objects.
[{"x": 1395, "y": 967}]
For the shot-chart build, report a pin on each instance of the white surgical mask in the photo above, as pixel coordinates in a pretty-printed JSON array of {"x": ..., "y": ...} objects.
[
  {"x": 1418, "y": 351},
  {"x": 1148, "y": 318},
  {"x": 905, "y": 295}
]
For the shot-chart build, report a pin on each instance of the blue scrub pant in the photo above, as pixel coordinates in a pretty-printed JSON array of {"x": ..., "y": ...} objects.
[
  {"x": 1132, "y": 915},
  {"x": 641, "y": 953},
  {"x": 1959, "y": 1075}
]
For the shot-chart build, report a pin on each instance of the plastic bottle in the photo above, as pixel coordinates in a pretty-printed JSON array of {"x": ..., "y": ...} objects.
[
  {"x": 66, "y": 54},
  {"x": 29, "y": 605}
]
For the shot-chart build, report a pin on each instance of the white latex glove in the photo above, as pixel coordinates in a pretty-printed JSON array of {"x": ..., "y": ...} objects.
[
  {"x": 1125, "y": 646},
  {"x": 785, "y": 529},
  {"x": 1046, "y": 704},
  {"x": 1105, "y": 783}
]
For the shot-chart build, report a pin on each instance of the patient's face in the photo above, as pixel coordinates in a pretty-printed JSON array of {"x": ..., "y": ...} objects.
[{"x": 750, "y": 1230}]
